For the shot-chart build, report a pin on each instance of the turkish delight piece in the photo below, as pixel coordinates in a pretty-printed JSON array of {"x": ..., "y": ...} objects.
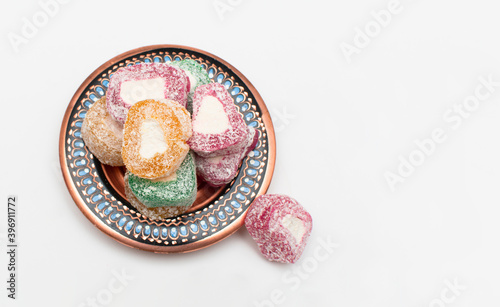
[
  {"x": 218, "y": 128},
  {"x": 155, "y": 213},
  {"x": 154, "y": 138},
  {"x": 280, "y": 226},
  {"x": 220, "y": 170},
  {"x": 102, "y": 134},
  {"x": 139, "y": 82},
  {"x": 177, "y": 190}
]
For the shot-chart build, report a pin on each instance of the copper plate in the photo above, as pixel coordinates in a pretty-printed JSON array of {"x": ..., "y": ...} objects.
[{"x": 217, "y": 212}]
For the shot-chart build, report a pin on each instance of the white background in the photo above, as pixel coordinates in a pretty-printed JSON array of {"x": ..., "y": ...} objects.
[{"x": 340, "y": 127}]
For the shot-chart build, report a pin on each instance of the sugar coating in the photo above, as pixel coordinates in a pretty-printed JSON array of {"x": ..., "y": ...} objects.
[
  {"x": 175, "y": 124},
  {"x": 138, "y": 82},
  {"x": 232, "y": 140},
  {"x": 179, "y": 191},
  {"x": 280, "y": 226},
  {"x": 102, "y": 134},
  {"x": 158, "y": 213},
  {"x": 220, "y": 170}
]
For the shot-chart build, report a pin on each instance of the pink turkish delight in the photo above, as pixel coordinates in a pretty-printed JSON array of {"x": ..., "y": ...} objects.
[
  {"x": 218, "y": 128},
  {"x": 220, "y": 170},
  {"x": 139, "y": 82},
  {"x": 280, "y": 226}
]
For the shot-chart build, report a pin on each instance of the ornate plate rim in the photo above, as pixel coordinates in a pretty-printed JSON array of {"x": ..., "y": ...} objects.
[{"x": 192, "y": 246}]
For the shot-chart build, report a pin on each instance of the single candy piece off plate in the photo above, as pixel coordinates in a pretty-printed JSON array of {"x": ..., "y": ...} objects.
[
  {"x": 220, "y": 170},
  {"x": 218, "y": 128},
  {"x": 102, "y": 134},
  {"x": 177, "y": 190},
  {"x": 154, "y": 138},
  {"x": 280, "y": 226},
  {"x": 139, "y": 82}
]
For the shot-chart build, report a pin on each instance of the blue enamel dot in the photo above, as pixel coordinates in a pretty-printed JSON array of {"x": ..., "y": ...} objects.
[
  {"x": 78, "y": 124},
  {"x": 87, "y": 181},
  {"x": 235, "y": 91},
  {"x": 239, "y": 98},
  {"x": 235, "y": 204},
  {"x": 221, "y": 215},
  {"x": 81, "y": 162},
  {"x": 138, "y": 62},
  {"x": 256, "y": 153},
  {"x": 253, "y": 124},
  {"x": 227, "y": 84},
  {"x": 220, "y": 77},
  {"x": 177, "y": 58},
  {"x": 194, "y": 227},
  {"x": 93, "y": 97},
  {"x": 91, "y": 190},
  {"x": 157, "y": 60},
  {"x": 108, "y": 210},
  {"x": 212, "y": 220},
  {"x": 228, "y": 209},
  {"x": 147, "y": 61},
  {"x": 203, "y": 225},
  {"x": 240, "y": 196},
  {"x": 130, "y": 64},
  {"x": 99, "y": 90},
  {"x": 83, "y": 172},
  {"x": 164, "y": 232},
  {"x": 204, "y": 66},
  {"x": 156, "y": 232},
  {"x": 129, "y": 225},
  {"x": 251, "y": 172},
  {"x": 183, "y": 230},
  {"x": 102, "y": 205},
  {"x": 105, "y": 83},
  {"x": 77, "y": 134},
  {"x": 87, "y": 103},
  {"x": 96, "y": 197},
  {"x": 248, "y": 181},
  {"x": 122, "y": 221},
  {"x": 147, "y": 230},
  {"x": 138, "y": 229},
  {"x": 211, "y": 73},
  {"x": 249, "y": 116},
  {"x": 82, "y": 114},
  {"x": 173, "y": 232},
  {"x": 114, "y": 216},
  {"x": 78, "y": 153},
  {"x": 79, "y": 144},
  {"x": 254, "y": 163},
  {"x": 244, "y": 107},
  {"x": 167, "y": 58},
  {"x": 244, "y": 189}
]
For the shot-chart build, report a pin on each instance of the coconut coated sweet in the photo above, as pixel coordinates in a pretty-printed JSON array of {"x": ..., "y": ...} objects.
[
  {"x": 280, "y": 226},
  {"x": 135, "y": 83},
  {"x": 102, "y": 134},
  {"x": 218, "y": 128},
  {"x": 154, "y": 138},
  {"x": 220, "y": 170},
  {"x": 177, "y": 190}
]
